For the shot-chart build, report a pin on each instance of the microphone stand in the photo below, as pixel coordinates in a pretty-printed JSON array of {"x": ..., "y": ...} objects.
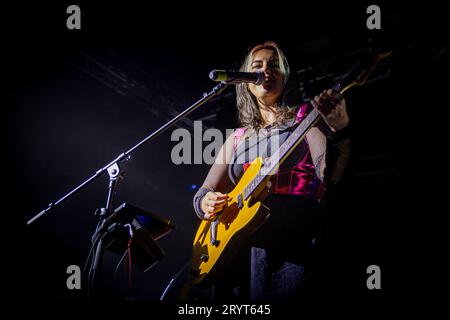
[{"x": 115, "y": 175}]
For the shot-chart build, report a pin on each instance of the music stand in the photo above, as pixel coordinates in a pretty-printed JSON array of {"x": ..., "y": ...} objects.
[{"x": 146, "y": 228}]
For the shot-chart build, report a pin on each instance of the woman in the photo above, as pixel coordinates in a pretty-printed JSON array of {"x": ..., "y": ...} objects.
[{"x": 280, "y": 253}]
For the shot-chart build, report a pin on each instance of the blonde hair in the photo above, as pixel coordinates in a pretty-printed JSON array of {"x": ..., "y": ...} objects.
[{"x": 248, "y": 111}]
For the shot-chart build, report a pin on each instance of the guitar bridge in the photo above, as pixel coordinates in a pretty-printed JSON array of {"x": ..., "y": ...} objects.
[{"x": 213, "y": 233}]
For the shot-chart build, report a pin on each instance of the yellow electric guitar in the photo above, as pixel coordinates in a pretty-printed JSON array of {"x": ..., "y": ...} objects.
[{"x": 217, "y": 241}]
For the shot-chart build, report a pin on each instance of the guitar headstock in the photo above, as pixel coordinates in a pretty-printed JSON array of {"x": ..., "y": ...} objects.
[{"x": 359, "y": 75}]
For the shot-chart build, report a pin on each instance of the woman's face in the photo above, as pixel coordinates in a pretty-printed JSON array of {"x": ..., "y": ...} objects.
[{"x": 266, "y": 60}]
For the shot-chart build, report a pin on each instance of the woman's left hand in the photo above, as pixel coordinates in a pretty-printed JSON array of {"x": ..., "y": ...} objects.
[{"x": 331, "y": 105}]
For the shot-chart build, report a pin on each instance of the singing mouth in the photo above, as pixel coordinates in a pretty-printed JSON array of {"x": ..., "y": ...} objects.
[{"x": 268, "y": 80}]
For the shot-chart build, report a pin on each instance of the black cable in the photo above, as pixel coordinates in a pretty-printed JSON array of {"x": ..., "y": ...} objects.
[
  {"x": 119, "y": 263},
  {"x": 130, "y": 232},
  {"x": 173, "y": 279}
]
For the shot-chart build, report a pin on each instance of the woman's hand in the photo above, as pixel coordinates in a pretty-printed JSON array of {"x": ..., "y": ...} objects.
[
  {"x": 331, "y": 105},
  {"x": 212, "y": 203}
]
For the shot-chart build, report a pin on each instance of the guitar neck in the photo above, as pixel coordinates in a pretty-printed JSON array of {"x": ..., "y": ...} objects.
[
  {"x": 291, "y": 142},
  {"x": 280, "y": 155}
]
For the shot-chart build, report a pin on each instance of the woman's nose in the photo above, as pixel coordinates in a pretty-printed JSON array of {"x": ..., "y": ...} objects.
[{"x": 267, "y": 69}]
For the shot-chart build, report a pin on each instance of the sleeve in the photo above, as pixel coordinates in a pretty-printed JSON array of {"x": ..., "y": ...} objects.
[
  {"x": 338, "y": 154},
  {"x": 330, "y": 151},
  {"x": 217, "y": 178}
]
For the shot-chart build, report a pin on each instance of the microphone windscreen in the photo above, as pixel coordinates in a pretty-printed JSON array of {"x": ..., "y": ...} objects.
[{"x": 218, "y": 75}]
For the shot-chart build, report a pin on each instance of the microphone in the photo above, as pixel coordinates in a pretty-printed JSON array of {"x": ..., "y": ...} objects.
[{"x": 237, "y": 77}]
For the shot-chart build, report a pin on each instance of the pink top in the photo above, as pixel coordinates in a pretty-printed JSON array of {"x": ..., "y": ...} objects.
[{"x": 300, "y": 179}]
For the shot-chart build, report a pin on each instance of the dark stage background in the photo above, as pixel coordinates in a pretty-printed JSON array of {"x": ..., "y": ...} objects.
[{"x": 76, "y": 99}]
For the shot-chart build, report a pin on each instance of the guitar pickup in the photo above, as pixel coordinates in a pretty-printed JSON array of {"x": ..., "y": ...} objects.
[{"x": 240, "y": 201}]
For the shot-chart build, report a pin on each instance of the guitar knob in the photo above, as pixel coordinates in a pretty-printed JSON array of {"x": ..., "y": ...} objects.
[
  {"x": 215, "y": 243},
  {"x": 204, "y": 258}
]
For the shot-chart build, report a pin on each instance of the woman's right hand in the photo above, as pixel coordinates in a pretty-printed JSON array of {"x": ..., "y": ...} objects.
[{"x": 212, "y": 203}]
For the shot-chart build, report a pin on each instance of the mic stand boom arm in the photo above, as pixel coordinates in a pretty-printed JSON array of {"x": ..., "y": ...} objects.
[{"x": 125, "y": 156}]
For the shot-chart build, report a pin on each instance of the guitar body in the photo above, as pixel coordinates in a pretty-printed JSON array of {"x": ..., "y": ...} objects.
[{"x": 240, "y": 218}]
